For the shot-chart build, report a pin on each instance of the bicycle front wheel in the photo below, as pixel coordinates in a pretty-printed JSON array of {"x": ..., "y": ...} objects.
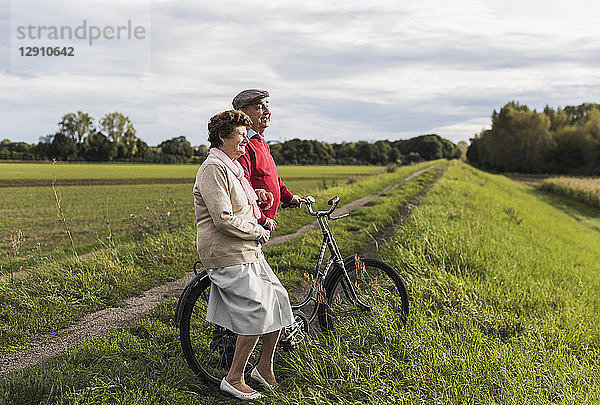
[
  {"x": 378, "y": 286},
  {"x": 207, "y": 348}
]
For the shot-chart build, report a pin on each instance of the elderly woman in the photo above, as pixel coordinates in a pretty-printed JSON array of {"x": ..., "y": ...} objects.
[{"x": 245, "y": 297}]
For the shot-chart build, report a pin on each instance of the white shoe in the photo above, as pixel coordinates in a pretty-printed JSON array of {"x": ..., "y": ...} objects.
[
  {"x": 255, "y": 375},
  {"x": 230, "y": 389}
]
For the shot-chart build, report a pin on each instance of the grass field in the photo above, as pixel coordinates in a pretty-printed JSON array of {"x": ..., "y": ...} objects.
[
  {"x": 505, "y": 291},
  {"x": 504, "y": 288},
  {"x": 134, "y": 355},
  {"x": 585, "y": 190},
  {"x": 88, "y": 208}
]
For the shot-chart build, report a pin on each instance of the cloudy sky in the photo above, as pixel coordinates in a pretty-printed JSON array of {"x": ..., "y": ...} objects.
[{"x": 336, "y": 70}]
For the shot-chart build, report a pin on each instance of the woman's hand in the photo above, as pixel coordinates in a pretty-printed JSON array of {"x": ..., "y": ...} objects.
[
  {"x": 265, "y": 198},
  {"x": 265, "y": 237},
  {"x": 270, "y": 224}
]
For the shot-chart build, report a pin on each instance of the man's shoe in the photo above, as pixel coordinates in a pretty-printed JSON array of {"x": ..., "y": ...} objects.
[
  {"x": 255, "y": 375},
  {"x": 230, "y": 389}
]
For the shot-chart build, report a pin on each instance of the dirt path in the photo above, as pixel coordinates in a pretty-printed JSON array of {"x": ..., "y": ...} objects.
[
  {"x": 111, "y": 319},
  {"x": 534, "y": 180},
  {"x": 373, "y": 247}
]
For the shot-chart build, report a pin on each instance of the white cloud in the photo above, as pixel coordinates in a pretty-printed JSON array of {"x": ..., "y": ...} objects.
[
  {"x": 456, "y": 132},
  {"x": 336, "y": 70}
]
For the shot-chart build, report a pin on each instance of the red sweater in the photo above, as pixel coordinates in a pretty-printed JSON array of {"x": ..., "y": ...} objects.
[{"x": 259, "y": 168}]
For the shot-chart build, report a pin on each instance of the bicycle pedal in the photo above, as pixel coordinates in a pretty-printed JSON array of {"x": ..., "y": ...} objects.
[{"x": 287, "y": 346}]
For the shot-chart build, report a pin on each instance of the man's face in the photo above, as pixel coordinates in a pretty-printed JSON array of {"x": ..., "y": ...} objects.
[{"x": 260, "y": 114}]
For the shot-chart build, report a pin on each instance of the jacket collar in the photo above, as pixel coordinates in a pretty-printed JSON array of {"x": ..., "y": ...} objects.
[{"x": 253, "y": 134}]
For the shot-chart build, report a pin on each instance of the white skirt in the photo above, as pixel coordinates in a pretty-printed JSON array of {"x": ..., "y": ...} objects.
[{"x": 248, "y": 299}]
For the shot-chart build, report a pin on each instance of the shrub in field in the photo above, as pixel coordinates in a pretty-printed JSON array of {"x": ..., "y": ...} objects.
[
  {"x": 391, "y": 168},
  {"x": 585, "y": 190},
  {"x": 166, "y": 213}
]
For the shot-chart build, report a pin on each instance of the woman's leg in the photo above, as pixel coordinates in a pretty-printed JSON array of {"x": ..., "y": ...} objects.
[
  {"x": 265, "y": 364},
  {"x": 243, "y": 347}
]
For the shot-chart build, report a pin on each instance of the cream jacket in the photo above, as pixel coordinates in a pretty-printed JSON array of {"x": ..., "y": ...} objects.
[{"x": 227, "y": 232}]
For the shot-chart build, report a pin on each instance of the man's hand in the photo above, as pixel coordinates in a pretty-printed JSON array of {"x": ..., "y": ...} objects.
[
  {"x": 295, "y": 201},
  {"x": 265, "y": 238},
  {"x": 265, "y": 198},
  {"x": 270, "y": 224}
]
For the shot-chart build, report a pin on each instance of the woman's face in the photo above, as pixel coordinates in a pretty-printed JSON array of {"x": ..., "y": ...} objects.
[{"x": 235, "y": 145}]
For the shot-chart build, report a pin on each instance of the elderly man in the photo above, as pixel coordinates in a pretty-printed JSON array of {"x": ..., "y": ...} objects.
[{"x": 259, "y": 166}]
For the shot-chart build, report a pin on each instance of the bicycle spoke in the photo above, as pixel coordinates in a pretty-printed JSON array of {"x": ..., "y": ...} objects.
[
  {"x": 209, "y": 348},
  {"x": 205, "y": 296},
  {"x": 376, "y": 284}
]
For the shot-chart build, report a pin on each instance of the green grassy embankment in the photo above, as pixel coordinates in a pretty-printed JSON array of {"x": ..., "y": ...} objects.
[{"x": 504, "y": 296}]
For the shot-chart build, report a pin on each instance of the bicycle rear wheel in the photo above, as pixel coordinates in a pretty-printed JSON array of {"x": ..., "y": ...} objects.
[
  {"x": 377, "y": 285},
  {"x": 207, "y": 348}
]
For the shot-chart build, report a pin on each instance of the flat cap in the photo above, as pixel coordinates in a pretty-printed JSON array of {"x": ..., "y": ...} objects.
[{"x": 248, "y": 97}]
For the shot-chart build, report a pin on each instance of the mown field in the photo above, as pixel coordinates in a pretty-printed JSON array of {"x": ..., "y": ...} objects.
[
  {"x": 585, "y": 190},
  {"x": 94, "y": 212},
  {"x": 503, "y": 280},
  {"x": 18, "y": 171}
]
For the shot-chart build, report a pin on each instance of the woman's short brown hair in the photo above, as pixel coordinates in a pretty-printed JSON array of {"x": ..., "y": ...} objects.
[{"x": 221, "y": 126}]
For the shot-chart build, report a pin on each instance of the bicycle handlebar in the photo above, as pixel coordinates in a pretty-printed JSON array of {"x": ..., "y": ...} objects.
[{"x": 310, "y": 200}]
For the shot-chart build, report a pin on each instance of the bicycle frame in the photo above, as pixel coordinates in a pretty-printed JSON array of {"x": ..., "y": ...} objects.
[{"x": 320, "y": 274}]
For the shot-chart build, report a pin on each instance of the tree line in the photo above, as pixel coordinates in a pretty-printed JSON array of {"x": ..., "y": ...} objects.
[
  {"x": 306, "y": 152},
  {"x": 113, "y": 138},
  {"x": 561, "y": 140}
]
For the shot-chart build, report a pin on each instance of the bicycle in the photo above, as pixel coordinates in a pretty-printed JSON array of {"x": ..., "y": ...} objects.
[{"x": 339, "y": 287}]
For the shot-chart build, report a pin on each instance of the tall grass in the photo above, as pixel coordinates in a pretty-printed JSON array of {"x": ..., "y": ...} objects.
[
  {"x": 585, "y": 190},
  {"x": 61, "y": 212}
]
